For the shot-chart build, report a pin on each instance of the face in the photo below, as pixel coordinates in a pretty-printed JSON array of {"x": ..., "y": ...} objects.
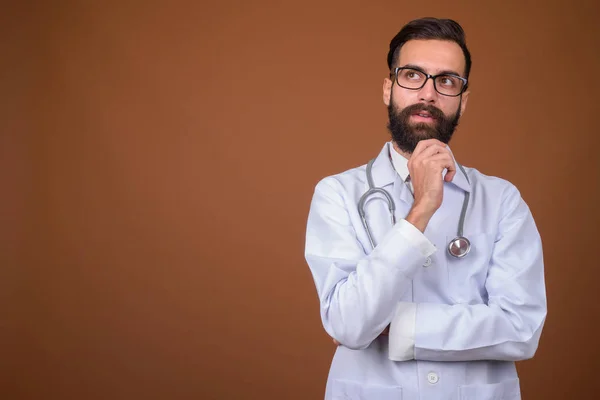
[{"x": 424, "y": 113}]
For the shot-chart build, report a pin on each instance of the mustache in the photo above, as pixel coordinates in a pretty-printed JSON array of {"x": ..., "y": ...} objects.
[
  {"x": 416, "y": 108},
  {"x": 407, "y": 135}
]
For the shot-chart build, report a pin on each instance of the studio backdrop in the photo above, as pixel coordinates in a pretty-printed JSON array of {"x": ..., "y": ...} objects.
[{"x": 158, "y": 158}]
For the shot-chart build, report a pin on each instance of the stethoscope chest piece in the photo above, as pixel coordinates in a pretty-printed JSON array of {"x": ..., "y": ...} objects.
[{"x": 459, "y": 247}]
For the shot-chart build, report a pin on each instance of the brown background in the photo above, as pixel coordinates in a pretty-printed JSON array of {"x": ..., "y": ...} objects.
[{"x": 158, "y": 159}]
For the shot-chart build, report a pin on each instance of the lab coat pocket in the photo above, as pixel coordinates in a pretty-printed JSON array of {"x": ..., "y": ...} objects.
[
  {"x": 350, "y": 390},
  {"x": 467, "y": 275},
  {"x": 507, "y": 390}
]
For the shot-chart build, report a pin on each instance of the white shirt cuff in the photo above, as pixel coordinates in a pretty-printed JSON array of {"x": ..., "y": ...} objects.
[
  {"x": 416, "y": 237},
  {"x": 402, "y": 332}
]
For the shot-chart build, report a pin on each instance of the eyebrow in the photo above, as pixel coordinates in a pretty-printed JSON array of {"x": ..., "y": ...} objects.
[{"x": 444, "y": 72}]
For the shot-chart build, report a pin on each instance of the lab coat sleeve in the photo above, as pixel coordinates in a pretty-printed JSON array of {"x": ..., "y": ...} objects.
[
  {"x": 358, "y": 293},
  {"x": 402, "y": 327},
  {"x": 509, "y": 326}
]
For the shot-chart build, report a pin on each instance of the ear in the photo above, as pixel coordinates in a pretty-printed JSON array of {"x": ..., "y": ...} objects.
[
  {"x": 387, "y": 91},
  {"x": 463, "y": 102}
]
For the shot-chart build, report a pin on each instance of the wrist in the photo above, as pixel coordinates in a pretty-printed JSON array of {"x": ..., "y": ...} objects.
[{"x": 419, "y": 217}]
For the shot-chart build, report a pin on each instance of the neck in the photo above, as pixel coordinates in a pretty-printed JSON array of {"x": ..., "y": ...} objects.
[{"x": 403, "y": 153}]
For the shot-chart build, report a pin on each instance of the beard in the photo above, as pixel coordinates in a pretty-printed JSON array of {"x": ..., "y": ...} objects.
[{"x": 407, "y": 135}]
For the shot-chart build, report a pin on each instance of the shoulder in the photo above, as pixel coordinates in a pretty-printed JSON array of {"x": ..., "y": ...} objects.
[
  {"x": 494, "y": 187},
  {"x": 341, "y": 182},
  {"x": 488, "y": 182}
]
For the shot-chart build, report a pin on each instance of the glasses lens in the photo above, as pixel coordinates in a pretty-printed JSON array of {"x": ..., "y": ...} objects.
[
  {"x": 410, "y": 78},
  {"x": 449, "y": 85}
]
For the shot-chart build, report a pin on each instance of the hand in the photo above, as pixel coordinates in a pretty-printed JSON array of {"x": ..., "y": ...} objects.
[
  {"x": 425, "y": 166},
  {"x": 385, "y": 332}
]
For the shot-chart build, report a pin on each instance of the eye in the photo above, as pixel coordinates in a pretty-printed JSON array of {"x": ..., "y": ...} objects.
[
  {"x": 412, "y": 75},
  {"x": 448, "y": 81}
]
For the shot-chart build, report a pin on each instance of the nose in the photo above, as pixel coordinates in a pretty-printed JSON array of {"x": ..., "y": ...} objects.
[{"x": 428, "y": 93}]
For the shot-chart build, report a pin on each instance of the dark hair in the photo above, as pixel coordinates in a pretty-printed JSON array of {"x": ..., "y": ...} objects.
[{"x": 430, "y": 28}]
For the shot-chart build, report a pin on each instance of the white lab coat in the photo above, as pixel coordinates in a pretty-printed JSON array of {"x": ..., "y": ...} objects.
[{"x": 475, "y": 316}]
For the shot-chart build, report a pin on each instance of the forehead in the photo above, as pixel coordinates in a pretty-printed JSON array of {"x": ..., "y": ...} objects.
[{"x": 433, "y": 56}]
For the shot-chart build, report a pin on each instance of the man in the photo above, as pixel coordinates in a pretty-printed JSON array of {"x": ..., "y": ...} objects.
[{"x": 440, "y": 298}]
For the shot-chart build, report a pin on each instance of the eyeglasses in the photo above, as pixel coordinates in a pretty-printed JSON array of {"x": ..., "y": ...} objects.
[{"x": 414, "y": 79}]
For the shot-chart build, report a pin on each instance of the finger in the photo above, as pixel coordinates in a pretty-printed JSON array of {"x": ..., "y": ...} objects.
[
  {"x": 426, "y": 154},
  {"x": 451, "y": 170},
  {"x": 433, "y": 150},
  {"x": 443, "y": 158},
  {"x": 448, "y": 165},
  {"x": 424, "y": 144},
  {"x": 443, "y": 161}
]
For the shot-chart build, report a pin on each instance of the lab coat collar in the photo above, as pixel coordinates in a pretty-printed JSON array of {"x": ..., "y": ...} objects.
[
  {"x": 383, "y": 170},
  {"x": 384, "y": 173},
  {"x": 459, "y": 179}
]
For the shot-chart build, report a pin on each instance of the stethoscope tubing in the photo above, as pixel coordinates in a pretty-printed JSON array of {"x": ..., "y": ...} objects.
[{"x": 454, "y": 244}]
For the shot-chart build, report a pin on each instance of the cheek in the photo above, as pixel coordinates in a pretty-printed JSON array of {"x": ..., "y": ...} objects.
[
  {"x": 401, "y": 100},
  {"x": 450, "y": 107}
]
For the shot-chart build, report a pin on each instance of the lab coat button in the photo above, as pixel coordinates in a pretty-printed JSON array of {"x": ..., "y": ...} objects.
[
  {"x": 433, "y": 378},
  {"x": 427, "y": 262}
]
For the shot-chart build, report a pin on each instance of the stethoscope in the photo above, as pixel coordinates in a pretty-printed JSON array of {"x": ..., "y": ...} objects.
[{"x": 458, "y": 247}]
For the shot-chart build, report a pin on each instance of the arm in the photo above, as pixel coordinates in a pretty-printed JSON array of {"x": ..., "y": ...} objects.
[
  {"x": 357, "y": 293},
  {"x": 509, "y": 326}
]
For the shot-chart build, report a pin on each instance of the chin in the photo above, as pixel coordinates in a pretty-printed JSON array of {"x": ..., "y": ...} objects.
[
  {"x": 425, "y": 133},
  {"x": 424, "y": 126}
]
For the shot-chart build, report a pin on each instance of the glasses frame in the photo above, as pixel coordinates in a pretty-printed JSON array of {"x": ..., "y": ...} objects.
[{"x": 394, "y": 75}]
